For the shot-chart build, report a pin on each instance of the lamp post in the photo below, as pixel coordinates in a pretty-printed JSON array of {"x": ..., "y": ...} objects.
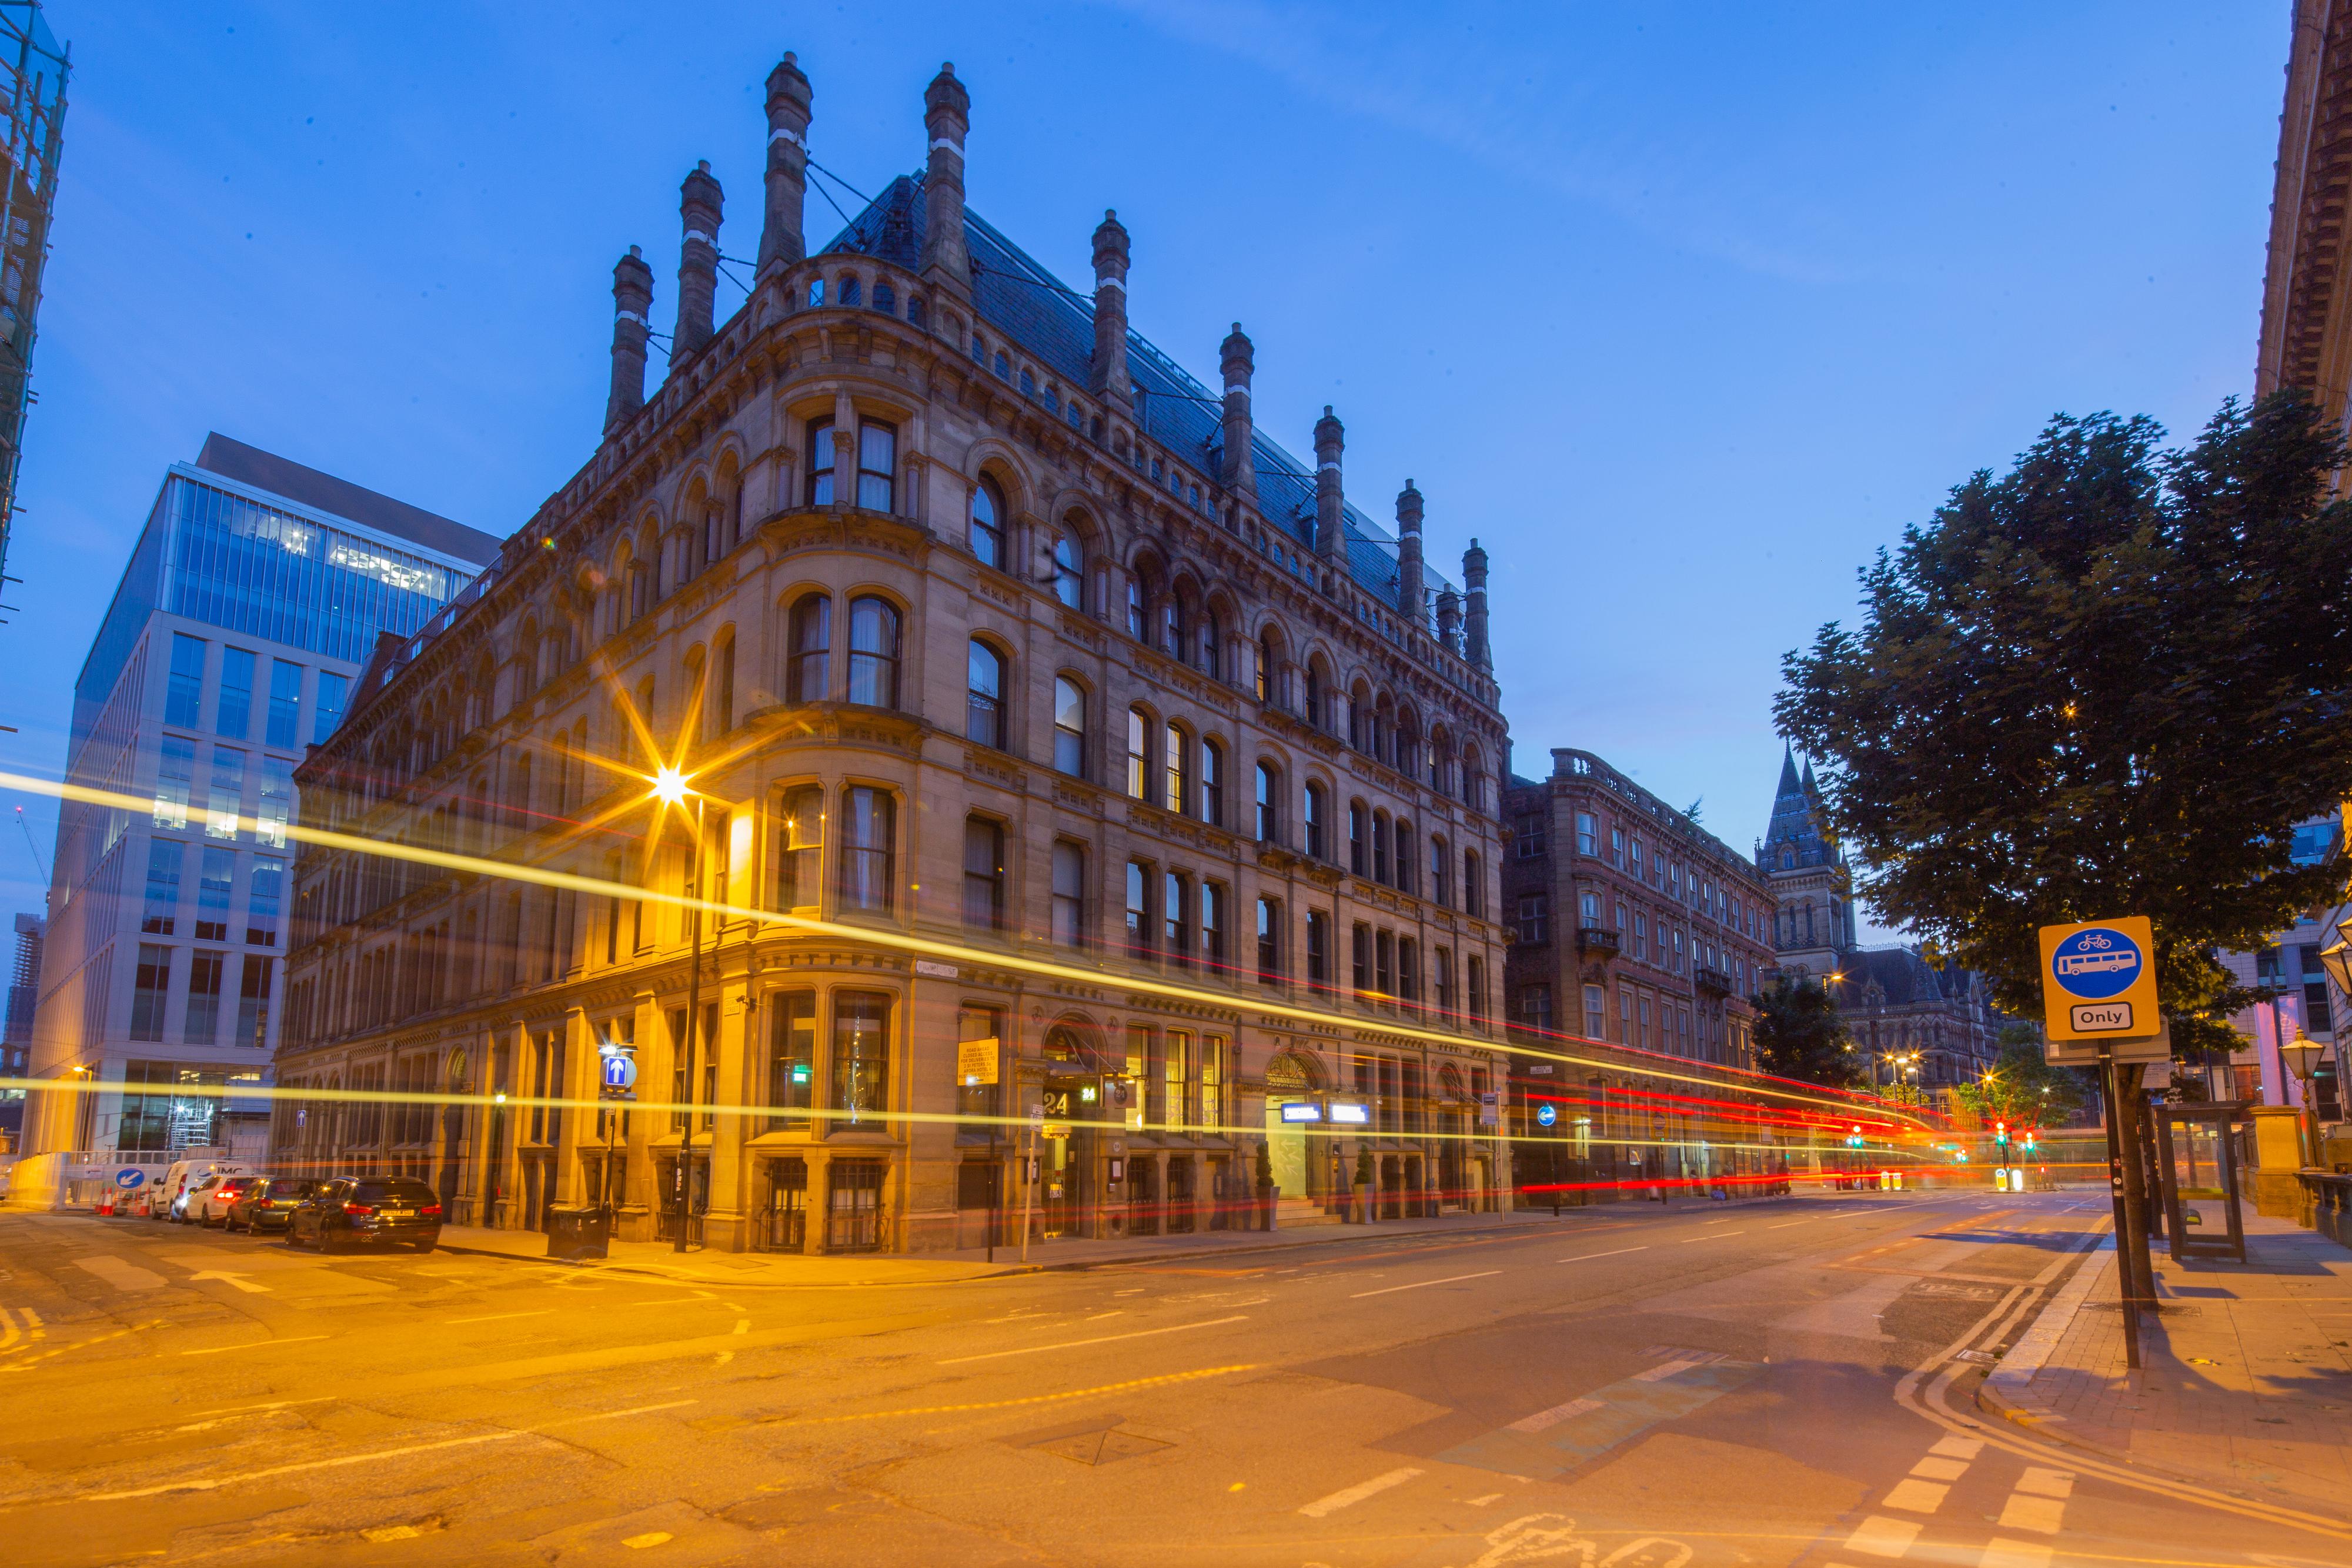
[
  {"x": 2301, "y": 1055},
  {"x": 670, "y": 788}
]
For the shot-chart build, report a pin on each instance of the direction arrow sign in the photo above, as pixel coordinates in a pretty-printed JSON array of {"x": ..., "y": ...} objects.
[{"x": 239, "y": 1280}]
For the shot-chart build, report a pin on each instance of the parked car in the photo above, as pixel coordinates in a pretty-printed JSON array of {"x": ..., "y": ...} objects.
[
  {"x": 267, "y": 1204},
  {"x": 186, "y": 1200},
  {"x": 367, "y": 1211},
  {"x": 212, "y": 1208},
  {"x": 168, "y": 1202}
]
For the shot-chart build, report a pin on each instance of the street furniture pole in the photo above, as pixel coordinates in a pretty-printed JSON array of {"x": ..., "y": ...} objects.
[{"x": 2108, "y": 1090}]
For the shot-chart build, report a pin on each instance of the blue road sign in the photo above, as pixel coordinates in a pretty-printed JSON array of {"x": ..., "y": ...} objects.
[
  {"x": 129, "y": 1178},
  {"x": 620, "y": 1070},
  {"x": 2096, "y": 964},
  {"x": 1546, "y": 1114}
]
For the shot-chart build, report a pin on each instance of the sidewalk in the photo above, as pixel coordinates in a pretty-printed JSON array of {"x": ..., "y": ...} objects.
[
  {"x": 2245, "y": 1377},
  {"x": 1206, "y": 1250}
]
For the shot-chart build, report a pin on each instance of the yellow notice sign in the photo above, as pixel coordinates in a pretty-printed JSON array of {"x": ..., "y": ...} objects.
[
  {"x": 976, "y": 1063},
  {"x": 2098, "y": 979}
]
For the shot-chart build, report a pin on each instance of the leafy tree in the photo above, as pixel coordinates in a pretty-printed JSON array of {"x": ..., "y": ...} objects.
[
  {"x": 2107, "y": 683},
  {"x": 2022, "y": 1089},
  {"x": 1799, "y": 1034}
]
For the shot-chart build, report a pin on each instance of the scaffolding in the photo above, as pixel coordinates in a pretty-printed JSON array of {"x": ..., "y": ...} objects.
[{"x": 33, "y": 66}]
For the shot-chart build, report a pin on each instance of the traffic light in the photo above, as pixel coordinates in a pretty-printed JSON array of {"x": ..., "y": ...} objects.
[
  {"x": 2031, "y": 1141},
  {"x": 1854, "y": 1138},
  {"x": 2000, "y": 1133}
]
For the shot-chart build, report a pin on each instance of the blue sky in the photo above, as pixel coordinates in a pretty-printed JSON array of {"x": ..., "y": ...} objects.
[{"x": 1682, "y": 311}]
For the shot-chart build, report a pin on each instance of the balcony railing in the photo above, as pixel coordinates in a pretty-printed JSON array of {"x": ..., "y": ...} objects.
[
  {"x": 1601, "y": 939},
  {"x": 1713, "y": 982}
]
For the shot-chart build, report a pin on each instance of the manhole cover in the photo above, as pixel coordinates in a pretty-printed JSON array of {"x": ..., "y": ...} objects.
[{"x": 1103, "y": 1447}]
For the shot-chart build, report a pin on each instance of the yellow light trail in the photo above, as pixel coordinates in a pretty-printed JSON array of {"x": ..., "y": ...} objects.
[{"x": 933, "y": 948}]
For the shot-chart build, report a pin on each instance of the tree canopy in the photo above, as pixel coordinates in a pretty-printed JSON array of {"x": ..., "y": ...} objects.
[
  {"x": 2022, "y": 1089},
  {"x": 1799, "y": 1034},
  {"x": 2110, "y": 682}
]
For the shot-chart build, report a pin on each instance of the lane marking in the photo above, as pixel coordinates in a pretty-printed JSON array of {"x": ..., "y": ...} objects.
[
  {"x": 273, "y": 1405},
  {"x": 1583, "y": 1256},
  {"x": 1417, "y": 1284},
  {"x": 1099, "y": 1339},
  {"x": 2014, "y": 1554},
  {"x": 1786, "y": 1223},
  {"x": 1718, "y": 1235},
  {"x": 1959, "y": 1448},
  {"x": 499, "y": 1317},
  {"x": 1348, "y": 1497},
  {"x": 121, "y": 1273},
  {"x": 229, "y": 1277},
  {"x": 2041, "y": 1515},
  {"x": 256, "y": 1344},
  {"x": 2041, "y": 1481},
  {"x": 1936, "y": 1469},
  {"x": 1882, "y": 1537},
  {"x": 1916, "y": 1497},
  {"x": 1544, "y": 1420},
  {"x": 743, "y": 1325}
]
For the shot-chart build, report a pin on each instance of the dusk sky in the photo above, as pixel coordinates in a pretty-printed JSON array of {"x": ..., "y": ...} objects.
[{"x": 1682, "y": 311}]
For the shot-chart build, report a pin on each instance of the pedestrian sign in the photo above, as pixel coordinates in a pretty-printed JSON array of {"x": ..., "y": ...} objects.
[{"x": 2098, "y": 979}]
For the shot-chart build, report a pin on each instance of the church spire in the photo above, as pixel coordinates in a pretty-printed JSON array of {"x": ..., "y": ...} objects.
[{"x": 1789, "y": 785}]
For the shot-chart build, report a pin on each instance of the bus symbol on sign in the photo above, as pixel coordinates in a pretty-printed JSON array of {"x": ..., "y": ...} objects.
[{"x": 2096, "y": 964}]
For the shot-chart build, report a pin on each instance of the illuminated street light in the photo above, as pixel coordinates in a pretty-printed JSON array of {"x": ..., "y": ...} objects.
[
  {"x": 2301, "y": 1055},
  {"x": 669, "y": 787}
]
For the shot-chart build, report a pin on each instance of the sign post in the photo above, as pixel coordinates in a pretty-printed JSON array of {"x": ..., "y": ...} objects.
[
  {"x": 977, "y": 1066},
  {"x": 2099, "y": 1003},
  {"x": 1028, "y": 1181}
]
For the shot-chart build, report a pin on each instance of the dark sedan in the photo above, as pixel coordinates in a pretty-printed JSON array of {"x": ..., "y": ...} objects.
[
  {"x": 367, "y": 1211},
  {"x": 267, "y": 1204}
]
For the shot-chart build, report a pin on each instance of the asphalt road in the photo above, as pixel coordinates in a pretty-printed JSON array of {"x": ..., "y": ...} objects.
[{"x": 1623, "y": 1386}]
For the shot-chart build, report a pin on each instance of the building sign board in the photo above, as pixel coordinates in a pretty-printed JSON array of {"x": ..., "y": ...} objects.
[
  {"x": 2098, "y": 979},
  {"x": 976, "y": 1062}
]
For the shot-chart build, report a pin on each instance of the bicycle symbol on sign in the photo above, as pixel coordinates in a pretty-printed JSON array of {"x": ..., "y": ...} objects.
[{"x": 1552, "y": 1537}]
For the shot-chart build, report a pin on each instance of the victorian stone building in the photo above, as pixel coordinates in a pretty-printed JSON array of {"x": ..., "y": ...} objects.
[{"x": 1043, "y": 721}]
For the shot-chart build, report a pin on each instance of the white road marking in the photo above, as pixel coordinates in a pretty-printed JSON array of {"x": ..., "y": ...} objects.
[
  {"x": 1882, "y": 1537},
  {"x": 1544, "y": 1420},
  {"x": 1114, "y": 1313},
  {"x": 256, "y": 1344},
  {"x": 1099, "y": 1339},
  {"x": 499, "y": 1317},
  {"x": 1959, "y": 1448},
  {"x": 2041, "y": 1515},
  {"x": 121, "y": 1273},
  {"x": 273, "y": 1405},
  {"x": 1492, "y": 1496},
  {"x": 232, "y": 1278},
  {"x": 210, "y": 1483},
  {"x": 1786, "y": 1223},
  {"x": 743, "y": 1325},
  {"x": 1935, "y": 1470},
  {"x": 1717, "y": 1236},
  {"x": 1417, "y": 1284},
  {"x": 2042, "y": 1481},
  {"x": 2014, "y": 1554},
  {"x": 1348, "y": 1497},
  {"x": 1916, "y": 1497},
  {"x": 1618, "y": 1253}
]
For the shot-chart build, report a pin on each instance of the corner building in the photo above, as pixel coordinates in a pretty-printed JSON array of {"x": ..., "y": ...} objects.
[{"x": 973, "y": 621}]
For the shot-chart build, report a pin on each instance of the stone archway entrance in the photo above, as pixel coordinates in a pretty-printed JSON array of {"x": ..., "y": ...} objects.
[{"x": 1299, "y": 1156}]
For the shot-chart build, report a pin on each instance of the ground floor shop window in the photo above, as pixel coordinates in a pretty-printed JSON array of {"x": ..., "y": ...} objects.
[
  {"x": 1143, "y": 1197},
  {"x": 783, "y": 1217},
  {"x": 1180, "y": 1197},
  {"x": 854, "y": 1206}
]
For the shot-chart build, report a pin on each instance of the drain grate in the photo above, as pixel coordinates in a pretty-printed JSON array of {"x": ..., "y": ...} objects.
[{"x": 1103, "y": 1447}]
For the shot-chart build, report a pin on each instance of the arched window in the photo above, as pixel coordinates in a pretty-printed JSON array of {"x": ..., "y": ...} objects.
[
  {"x": 1139, "y": 772},
  {"x": 1003, "y": 365},
  {"x": 1380, "y": 846},
  {"x": 1317, "y": 813},
  {"x": 1212, "y": 783},
  {"x": 1173, "y": 751},
  {"x": 1440, "y": 883},
  {"x": 874, "y": 652},
  {"x": 714, "y": 533},
  {"x": 916, "y": 315},
  {"x": 1403, "y": 835},
  {"x": 1209, "y": 640},
  {"x": 983, "y": 874},
  {"x": 809, "y": 678},
  {"x": 1473, "y": 886},
  {"x": 1069, "y": 727},
  {"x": 722, "y": 687},
  {"x": 1069, "y": 571},
  {"x": 849, "y": 295},
  {"x": 886, "y": 299},
  {"x": 987, "y": 537},
  {"x": 1357, "y": 832},
  {"x": 1135, "y": 606},
  {"x": 1269, "y": 807},
  {"x": 1315, "y": 704},
  {"x": 801, "y": 848},
  {"x": 984, "y": 695},
  {"x": 868, "y": 825},
  {"x": 1172, "y": 626},
  {"x": 1265, "y": 667}
]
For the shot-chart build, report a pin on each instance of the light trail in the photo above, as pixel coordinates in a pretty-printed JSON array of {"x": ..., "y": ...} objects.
[{"x": 878, "y": 937}]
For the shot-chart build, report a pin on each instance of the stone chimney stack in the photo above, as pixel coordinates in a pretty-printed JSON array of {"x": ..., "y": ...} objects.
[
  {"x": 780, "y": 242},
  {"x": 1108, "y": 377},
  {"x": 1449, "y": 620},
  {"x": 698, "y": 262},
  {"x": 1412, "y": 591},
  {"x": 1474, "y": 579},
  {"x": 1238, "y": 360},
  {"x": 946, "y": 115},
  {"x": 1330, "y": 525},
  {"x": 633, "y": 296}
]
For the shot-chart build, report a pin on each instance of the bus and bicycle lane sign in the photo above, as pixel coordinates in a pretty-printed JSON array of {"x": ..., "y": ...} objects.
[{"x": 2098, "y": 979}]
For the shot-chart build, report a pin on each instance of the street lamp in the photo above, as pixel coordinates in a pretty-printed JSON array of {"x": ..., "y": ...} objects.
[
  {"x": 2301, "y": 1055},
  {"x": 670, "y": 788}
]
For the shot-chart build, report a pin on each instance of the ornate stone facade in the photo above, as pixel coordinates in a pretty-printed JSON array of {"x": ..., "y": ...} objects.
[{"x": 1027, "y": 693}]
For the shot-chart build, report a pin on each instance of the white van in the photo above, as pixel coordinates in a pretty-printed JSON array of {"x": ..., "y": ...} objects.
[{"x": 170, "y": 1195}]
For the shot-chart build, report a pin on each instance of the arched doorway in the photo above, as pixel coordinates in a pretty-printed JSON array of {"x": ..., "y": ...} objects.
[{"x": 1298, "y": 1160}]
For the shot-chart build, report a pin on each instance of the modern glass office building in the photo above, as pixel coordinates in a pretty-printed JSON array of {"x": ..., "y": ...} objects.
[{"x": 252, "y": 600}]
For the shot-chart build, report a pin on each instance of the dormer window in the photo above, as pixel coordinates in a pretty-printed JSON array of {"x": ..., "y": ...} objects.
[{"x": 849, "y": 294}]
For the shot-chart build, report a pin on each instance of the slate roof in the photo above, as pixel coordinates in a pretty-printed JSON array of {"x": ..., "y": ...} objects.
[
  {"x": 1055, "y": 324},
  {"x": 1796, "y": 819}
]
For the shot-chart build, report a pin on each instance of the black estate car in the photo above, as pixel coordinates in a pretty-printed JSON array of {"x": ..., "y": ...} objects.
[{"x": 367, "y": 1211}]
